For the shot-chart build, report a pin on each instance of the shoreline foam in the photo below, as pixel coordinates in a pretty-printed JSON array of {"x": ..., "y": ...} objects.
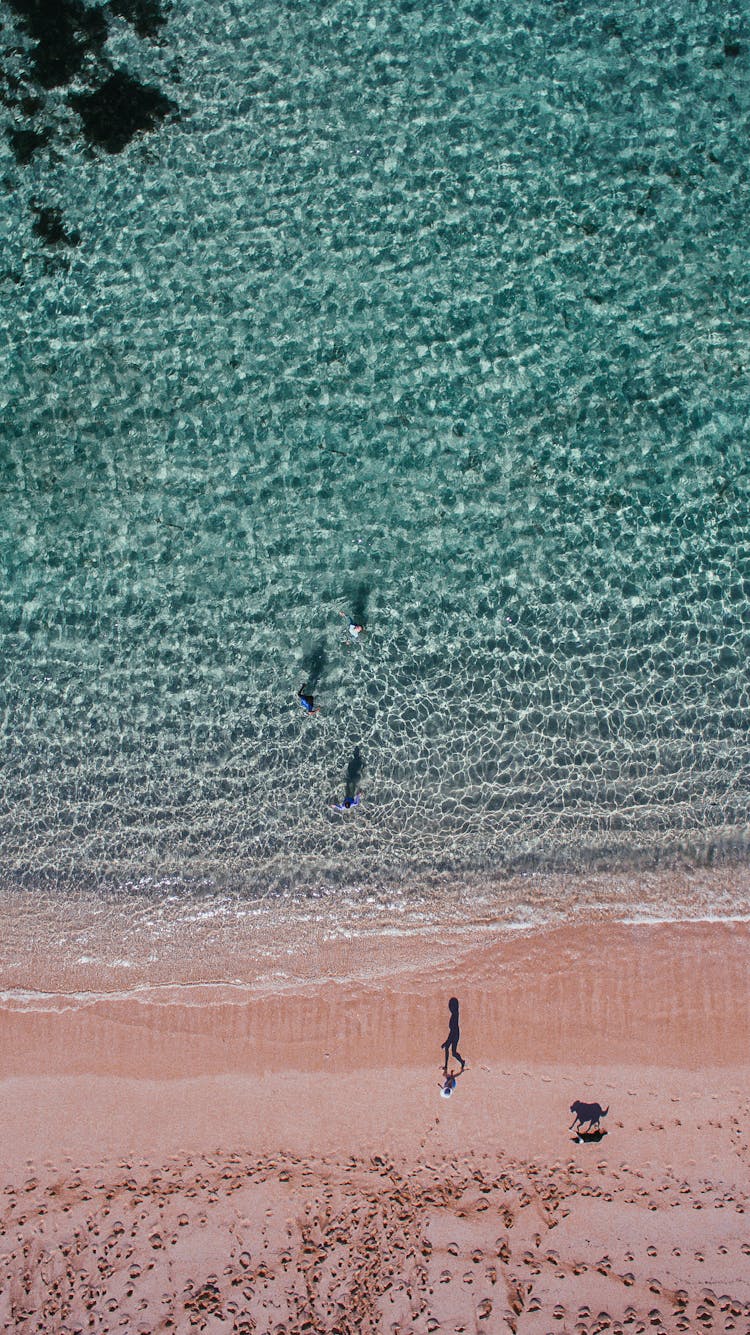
[{"x": 78, "y": 947}]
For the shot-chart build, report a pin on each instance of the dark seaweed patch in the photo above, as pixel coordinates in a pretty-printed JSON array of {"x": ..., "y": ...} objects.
[
  {"x": 732, "y": 49},
  {"x": 119, "y": 109},
  {"x": 50, "y": 227},
  {"x": 25, "y": 143},
  {"x": 64, "y": 31},
  {"x": 146, "y": 16}
]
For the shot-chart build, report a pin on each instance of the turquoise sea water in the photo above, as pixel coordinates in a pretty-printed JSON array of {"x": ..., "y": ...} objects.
[{"x": 433, "y": 314}]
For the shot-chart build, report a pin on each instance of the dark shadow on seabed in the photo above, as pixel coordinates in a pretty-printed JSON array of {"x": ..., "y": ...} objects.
[
  {"x": 314, "y": 665},
  {"x": 358, "y": 598},
  {"x": 354, "y": 773}
]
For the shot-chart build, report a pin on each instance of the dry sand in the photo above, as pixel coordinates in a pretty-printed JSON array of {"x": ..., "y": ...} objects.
[{"x": 283, "y": 1162}]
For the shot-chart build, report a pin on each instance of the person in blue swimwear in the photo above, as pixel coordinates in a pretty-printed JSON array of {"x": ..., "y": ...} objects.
[
  {"x": 348, "y": 803},
  {"x": 306, "y": 700}
]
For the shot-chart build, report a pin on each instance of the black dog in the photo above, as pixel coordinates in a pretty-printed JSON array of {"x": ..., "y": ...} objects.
[{"x": 587, "y": 1112}]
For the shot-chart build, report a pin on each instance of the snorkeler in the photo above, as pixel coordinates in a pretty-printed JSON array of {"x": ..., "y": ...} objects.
[{"x": 307, "y": 702}]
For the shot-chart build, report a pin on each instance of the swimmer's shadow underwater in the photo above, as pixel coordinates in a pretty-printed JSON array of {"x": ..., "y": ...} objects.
[
  {"x": 353, "y": 775},
  {"x": 358, "y": 597},
  {"x": 314, "y": 664}
]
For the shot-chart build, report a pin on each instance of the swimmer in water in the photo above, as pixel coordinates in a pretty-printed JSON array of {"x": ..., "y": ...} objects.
[
  {"x": 348, "y": 803},
  {"x": 354, "y": 627},
  {"x": 306, "y": 701}
]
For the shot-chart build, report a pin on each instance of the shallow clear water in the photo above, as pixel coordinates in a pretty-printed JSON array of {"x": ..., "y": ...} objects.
[{"x": 436, "y": 315}]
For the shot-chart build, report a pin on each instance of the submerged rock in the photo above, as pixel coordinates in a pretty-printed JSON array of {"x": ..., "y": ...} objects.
[{"x": 119, "y": 109}]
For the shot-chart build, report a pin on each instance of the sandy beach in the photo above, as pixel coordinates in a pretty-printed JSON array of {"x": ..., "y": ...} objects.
[{"x": 284, "y": 1161}]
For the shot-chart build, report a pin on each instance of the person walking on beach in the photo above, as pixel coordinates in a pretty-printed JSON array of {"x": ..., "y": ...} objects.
[
  {"x": 306, "y": 700},
  {"x": 450, "y": 1046},
  {"x": 448, "y": 1083}
]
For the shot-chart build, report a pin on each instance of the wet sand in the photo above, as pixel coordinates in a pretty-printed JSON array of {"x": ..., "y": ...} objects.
[{"x": 259, "y": 1161}]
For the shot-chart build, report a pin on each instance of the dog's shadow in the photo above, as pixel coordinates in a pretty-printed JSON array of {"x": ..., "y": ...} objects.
[{"x": 588, "y": 1137}]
